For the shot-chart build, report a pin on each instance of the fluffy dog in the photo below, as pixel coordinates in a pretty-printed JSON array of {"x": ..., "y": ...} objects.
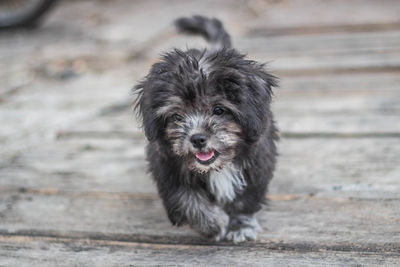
[{"x": 211, "y": 134}]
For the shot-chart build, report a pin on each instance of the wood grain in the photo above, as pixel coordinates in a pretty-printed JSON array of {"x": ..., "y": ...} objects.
[
  {"x": 303, "y": 223},
  {"x": 366, "y": 167},
  {"x": 39, "y": 251}
]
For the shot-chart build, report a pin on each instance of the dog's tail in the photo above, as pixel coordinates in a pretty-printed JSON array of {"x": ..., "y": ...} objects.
[{"x": 211, "y": 29}]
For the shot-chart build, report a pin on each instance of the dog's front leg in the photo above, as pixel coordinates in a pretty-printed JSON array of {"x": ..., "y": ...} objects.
[{"x": 197, "y": 210}]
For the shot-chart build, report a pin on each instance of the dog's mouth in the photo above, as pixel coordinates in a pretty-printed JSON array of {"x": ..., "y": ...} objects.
[{"x": 206, "y": 158}]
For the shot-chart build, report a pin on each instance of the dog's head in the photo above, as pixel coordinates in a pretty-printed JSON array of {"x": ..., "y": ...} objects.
[{"x": 205, "y": 107}]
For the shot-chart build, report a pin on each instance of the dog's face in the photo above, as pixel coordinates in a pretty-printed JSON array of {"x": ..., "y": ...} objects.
[
  {"x": 205, "y": 108},
  {"x": 201, "y": 130}
]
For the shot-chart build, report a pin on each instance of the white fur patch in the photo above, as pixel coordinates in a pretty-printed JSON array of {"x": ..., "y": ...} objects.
[{"x": 224, "y": 183}]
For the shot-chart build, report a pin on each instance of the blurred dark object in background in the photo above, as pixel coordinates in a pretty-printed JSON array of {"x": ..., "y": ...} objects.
[{"x": 23, "y": 13}]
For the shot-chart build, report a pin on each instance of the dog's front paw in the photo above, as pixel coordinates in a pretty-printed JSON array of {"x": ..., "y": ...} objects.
[
  {"x": 214, "y": 224},
  {"x": 242, "y": 235},
  {"x": 243, "y": 228}
]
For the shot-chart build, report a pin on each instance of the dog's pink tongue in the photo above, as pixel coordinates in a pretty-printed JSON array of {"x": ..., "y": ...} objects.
[{"x": 204, "y": 156}]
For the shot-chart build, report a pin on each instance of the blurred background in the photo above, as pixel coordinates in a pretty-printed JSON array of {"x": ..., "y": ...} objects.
[{"x": 72, "y": 151}]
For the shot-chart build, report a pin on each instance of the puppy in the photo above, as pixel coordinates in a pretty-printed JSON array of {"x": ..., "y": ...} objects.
[{"x": 212, "y": 138}]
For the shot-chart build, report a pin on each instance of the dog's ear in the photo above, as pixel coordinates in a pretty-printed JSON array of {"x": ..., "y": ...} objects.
[
  {"x": 146, "y": 112},
  {"x": 255, "y": 114}
]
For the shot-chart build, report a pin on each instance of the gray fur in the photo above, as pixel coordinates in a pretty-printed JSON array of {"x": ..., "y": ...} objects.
[
  {"x": 205, "y": 217},
  {"x": 216, "y": 182},
  {"x": 247, "y": 228}
]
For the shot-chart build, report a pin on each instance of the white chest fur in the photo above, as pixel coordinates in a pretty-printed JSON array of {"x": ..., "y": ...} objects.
[{"x": 225, "y": 183}]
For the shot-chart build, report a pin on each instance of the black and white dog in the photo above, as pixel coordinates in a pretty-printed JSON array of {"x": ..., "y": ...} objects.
[{"x": 211, "y": 134}]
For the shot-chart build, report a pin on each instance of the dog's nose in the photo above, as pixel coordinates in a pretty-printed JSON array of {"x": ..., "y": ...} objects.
[{"x": 198, "y": 140}]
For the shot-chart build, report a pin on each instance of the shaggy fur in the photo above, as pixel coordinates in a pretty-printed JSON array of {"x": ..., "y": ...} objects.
[{"x": 211, "y": 134}]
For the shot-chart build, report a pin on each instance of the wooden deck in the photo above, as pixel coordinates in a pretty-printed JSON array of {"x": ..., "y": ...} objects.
[{"x": 73, "y": 184}]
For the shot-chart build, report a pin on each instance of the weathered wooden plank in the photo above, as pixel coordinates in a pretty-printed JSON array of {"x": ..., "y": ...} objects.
[
  {"x": 324, "y": 15},
  {"x": 34, "y": 115},
  {"x": 47, "y": 251},
  {"x": 359, "y": 167},
  {"x": 311, "y": 55},
  {"x": 324, "y": 29},
  {"x": 118, "y": 164},
  {"x": 349, "y": 103},
  {"x": 342, "y": 124},
  {"x": 311, "y": 66},
  {"x": 343, "y": 104},
  {"x": 305, "y": 223},
  {"x": 307, "y": 115},
  {"x": 295, "y": 46},
  {"x": 339, "y": 85},
  {"x": 323, "y": 64}
]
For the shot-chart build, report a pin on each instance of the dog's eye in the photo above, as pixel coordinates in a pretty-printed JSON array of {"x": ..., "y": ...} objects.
[
  {"x": 177, "y": 117},
  {"x": 218, "y": 111}
]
